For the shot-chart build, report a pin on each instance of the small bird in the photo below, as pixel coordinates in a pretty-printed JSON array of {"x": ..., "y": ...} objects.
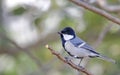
[{"x": 78, "y": 48}]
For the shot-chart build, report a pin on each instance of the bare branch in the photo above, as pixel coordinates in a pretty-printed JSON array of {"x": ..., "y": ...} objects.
[
  {"x": 110, "y": 8},
  {"x": 102, "y": 35},
  {"x": 96, "y": 10},
  {"x": 70, "y": 63}
]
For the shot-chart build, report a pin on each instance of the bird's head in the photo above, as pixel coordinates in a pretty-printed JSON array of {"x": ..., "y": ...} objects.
[{"x": 67, "y": 33}]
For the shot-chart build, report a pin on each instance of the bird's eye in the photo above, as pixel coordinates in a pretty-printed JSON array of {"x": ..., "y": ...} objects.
[{"x": 63, "y": 31}]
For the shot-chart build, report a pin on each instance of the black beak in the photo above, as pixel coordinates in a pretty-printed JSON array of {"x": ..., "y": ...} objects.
[{"x": 59, "y": 33}]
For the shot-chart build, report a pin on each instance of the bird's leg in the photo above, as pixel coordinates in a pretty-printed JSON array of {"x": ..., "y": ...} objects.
[
  {"x": 68, "y": 58},
  {"x": 80, "y": 61}
]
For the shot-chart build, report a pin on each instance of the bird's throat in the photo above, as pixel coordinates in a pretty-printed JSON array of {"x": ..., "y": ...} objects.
[{"x": 67, "y": 37}]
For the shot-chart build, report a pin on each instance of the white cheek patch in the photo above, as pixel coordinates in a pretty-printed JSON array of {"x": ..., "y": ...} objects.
[{"x": 67, "y": 37}]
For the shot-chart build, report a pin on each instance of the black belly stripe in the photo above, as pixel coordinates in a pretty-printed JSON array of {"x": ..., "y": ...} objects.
[{"x": 73, "y": 55}]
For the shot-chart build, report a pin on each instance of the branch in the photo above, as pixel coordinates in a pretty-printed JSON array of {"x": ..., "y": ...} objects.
[
  {"x": 110, "y": 8},
  {"x": 70, "y": 63},
  {"x": 96, "y": 10},
  {"x": 102, "y": 35}
]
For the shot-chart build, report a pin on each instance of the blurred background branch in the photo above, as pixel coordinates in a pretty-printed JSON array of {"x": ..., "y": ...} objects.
[
  {"x": 25, "y": 50},
  {"x": 110, "y": 8},
  {"x": 102, "y": 35},
  {"x": 98, "y": 11},
  {"x": 105, "y": 5}
]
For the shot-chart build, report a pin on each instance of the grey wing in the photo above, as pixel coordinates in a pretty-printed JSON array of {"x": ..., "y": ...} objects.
[
  {"x": 76, "y": 41},
  {"x": 88, "y": 47},
  {"x": 82, "y": 44}
]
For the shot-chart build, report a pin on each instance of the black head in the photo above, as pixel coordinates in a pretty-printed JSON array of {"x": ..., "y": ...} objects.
[
  {"x": 66, "y": 34},
  {"x": 68, "y": 31}
]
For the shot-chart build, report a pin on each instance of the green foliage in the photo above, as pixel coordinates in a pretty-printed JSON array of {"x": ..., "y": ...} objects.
[
  {"x": 93, "y": 20},
  {"x": 94, "y": 25},
  {"x": 37, "y": 21},
  {"x": 19, "y": 11},
  {"x": 67, "y": 21},
  {"x": 113, "y": 2}
]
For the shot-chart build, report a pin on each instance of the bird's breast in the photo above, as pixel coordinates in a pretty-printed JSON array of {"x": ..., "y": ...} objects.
[{"x": 79, "y": 52}]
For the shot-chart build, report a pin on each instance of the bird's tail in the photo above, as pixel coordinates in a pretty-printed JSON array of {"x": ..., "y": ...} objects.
[{"x": 107, "y": 59}]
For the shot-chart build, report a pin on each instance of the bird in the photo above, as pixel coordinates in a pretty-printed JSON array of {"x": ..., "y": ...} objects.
[{"x": 77, "y": 48}]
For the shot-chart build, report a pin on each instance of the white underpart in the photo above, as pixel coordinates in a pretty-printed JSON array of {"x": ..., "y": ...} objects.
[
  {"x": 76, "y": 51},
  {"x": 67, "y": 37}
]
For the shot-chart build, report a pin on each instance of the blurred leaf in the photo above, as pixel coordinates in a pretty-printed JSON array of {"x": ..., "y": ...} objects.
[
  {"x": 37, "y": 21},
  {"x": 18, "y": 11}
]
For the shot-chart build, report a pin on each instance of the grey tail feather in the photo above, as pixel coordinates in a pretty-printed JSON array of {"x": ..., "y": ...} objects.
[{"x": 107, "y": 59}]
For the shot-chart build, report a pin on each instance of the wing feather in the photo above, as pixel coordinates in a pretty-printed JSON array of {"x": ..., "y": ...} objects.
[{"x": 77, "y": 42}]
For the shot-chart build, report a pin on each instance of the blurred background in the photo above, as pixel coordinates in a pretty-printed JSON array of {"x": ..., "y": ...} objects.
[{"x": 26, "y": 26}]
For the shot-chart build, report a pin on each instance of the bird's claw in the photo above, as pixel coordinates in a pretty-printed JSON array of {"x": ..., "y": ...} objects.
[
  {"x": 81, "y": 67},
  {"x": 67, "y": 59}
]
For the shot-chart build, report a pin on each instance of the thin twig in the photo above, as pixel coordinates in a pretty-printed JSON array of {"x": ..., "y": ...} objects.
[
  {"x": 102, "y": 35},
  {"x": 78, "y": 68},
  {"x": 96, "y": 10}
]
